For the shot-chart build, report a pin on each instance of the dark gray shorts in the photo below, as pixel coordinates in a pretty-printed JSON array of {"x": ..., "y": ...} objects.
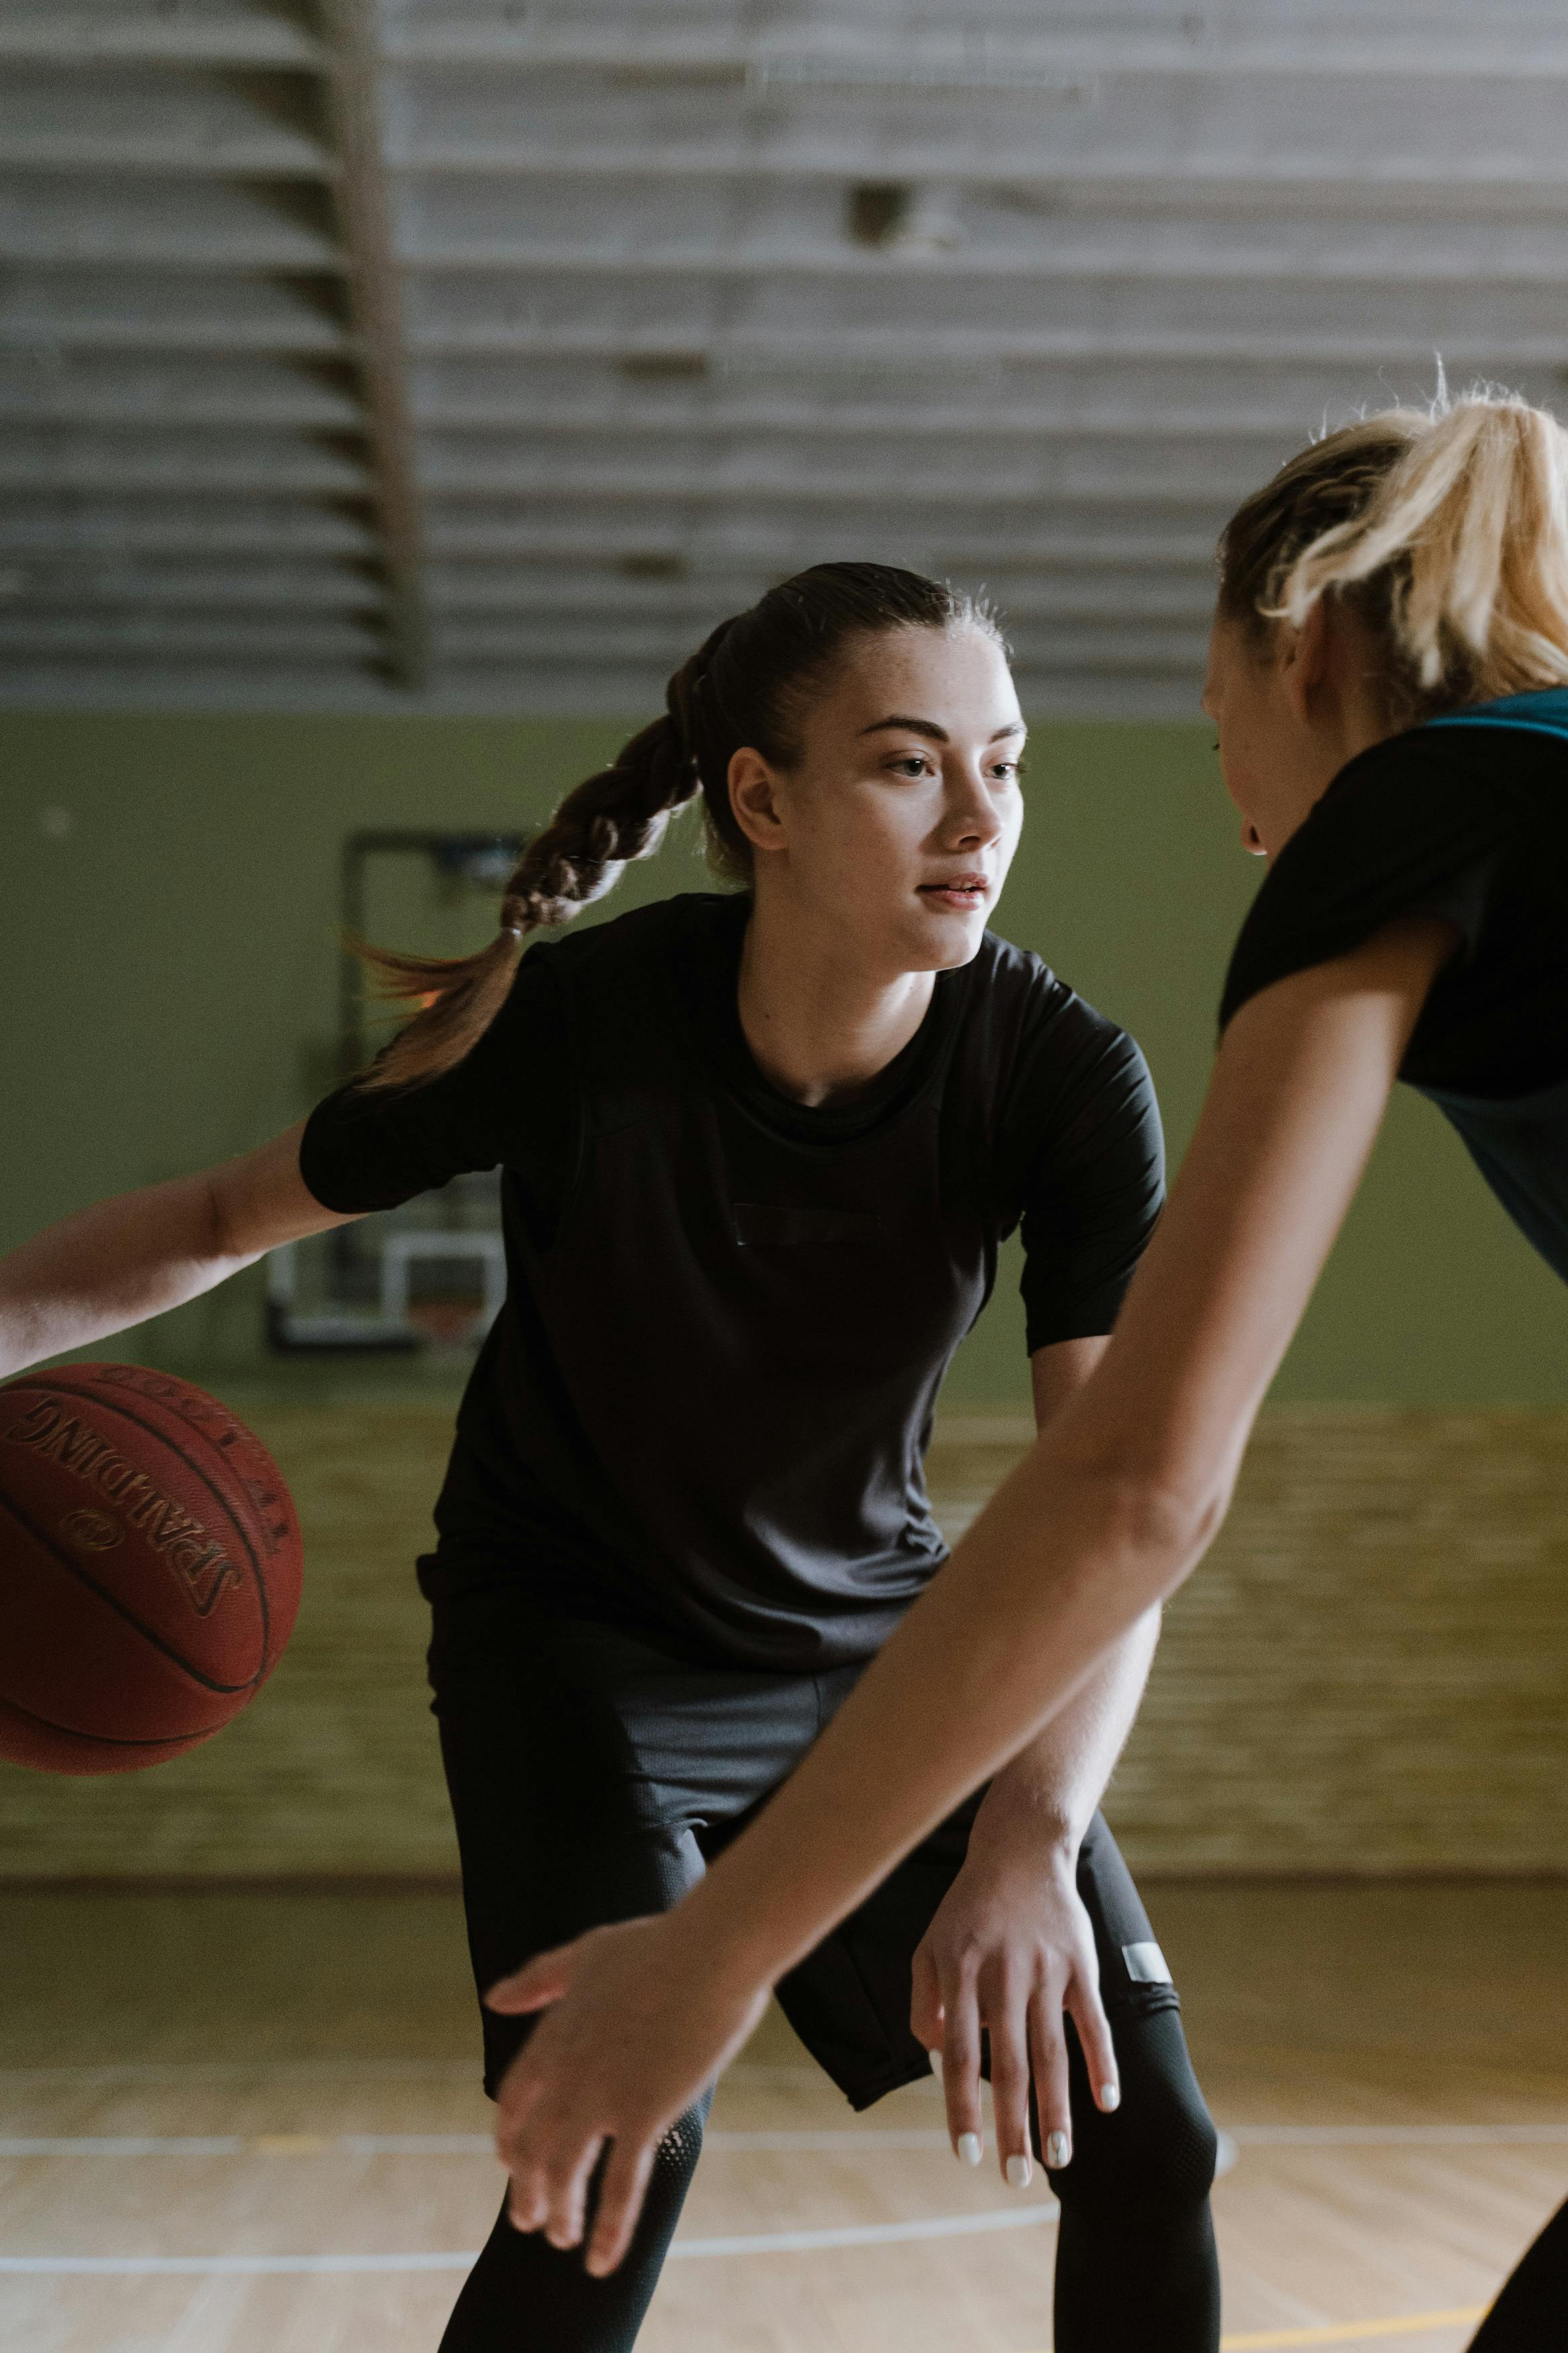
[{"x": 594, "y": 1773}]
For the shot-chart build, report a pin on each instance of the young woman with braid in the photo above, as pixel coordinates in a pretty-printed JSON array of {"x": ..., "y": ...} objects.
[
  {"x": 759, "y": 1150},
  {"x": 1389, "y": 677}
]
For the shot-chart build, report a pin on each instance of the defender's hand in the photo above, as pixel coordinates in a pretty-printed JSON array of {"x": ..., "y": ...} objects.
[
  {"x": 1010, "y": 1950},
  {"x": 637, "y": 2027}
]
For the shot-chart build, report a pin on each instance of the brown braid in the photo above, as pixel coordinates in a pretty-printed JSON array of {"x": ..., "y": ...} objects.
[{"x": 742, "y": 687}]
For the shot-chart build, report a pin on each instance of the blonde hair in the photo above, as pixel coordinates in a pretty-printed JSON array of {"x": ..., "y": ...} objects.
[{"x": 1444, "y": 529}]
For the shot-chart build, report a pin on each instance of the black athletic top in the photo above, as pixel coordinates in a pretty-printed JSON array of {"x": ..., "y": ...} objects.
[
  {"x": 705, "y": 1403},
  {"x": 1466, "y": 818}
]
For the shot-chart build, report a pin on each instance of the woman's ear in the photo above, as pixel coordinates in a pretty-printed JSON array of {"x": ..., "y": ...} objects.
[
  {"x": 1305, "y": 657},
  {"x": 755, "y": 800}
]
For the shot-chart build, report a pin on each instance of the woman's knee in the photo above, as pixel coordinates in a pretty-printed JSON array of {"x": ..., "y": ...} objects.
[
  {"x": 675, "y": 2158},
  {"x": 1158, "y": 2149}
]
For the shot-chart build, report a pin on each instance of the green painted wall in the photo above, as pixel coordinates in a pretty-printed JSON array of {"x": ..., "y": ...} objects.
[{"x": 168, "y": 959}]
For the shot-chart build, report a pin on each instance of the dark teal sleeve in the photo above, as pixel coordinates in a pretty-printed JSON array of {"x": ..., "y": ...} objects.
[{"x": 1413, "y": 826}]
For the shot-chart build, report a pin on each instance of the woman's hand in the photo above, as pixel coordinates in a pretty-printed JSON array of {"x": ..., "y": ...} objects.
[
  {"x": 1010, "y": 1950},
  {"x": 640, "y": 2025}
]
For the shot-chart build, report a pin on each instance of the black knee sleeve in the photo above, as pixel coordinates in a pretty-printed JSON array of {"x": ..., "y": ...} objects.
[
  {"x": 1158, "y": 2149},
  {"x": 523, "y": 2295},
  {"x": 1135, "y": 2255}
]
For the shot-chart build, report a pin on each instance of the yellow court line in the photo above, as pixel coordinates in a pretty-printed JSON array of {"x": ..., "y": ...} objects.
[{"x": 1349, "y": 2332}]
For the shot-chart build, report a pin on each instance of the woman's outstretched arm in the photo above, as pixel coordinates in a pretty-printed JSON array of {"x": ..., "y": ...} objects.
[
  {"x": 1114, "y": 1508},
  {"x": 124, "y": 1259},
  {"x": 1010, "y": 1949}
]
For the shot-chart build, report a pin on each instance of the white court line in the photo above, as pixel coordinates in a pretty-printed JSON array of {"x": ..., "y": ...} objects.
[
  {"x": 911, "y": 2137},
  {"x": 221, "y": 2266},
  {"x": 20, "y": 2145},
  {"x": 372, "y": 2071},
  {"x": 871, "y": 2234},
  {"x": 759, "y": 2242},
  {"x": 847, "y": 2138},
  {"x": 270, "y": 2071},
  {"x": 1396, "y": 2136},
  {"x": 120, "y": 2144},
  {"x": 940, "y": 2226}
]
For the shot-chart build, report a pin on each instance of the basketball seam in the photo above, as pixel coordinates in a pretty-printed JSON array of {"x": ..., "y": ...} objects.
[
  {"x": 75, "y": 1569},
  {"x": 196, "y": 1471},
  {"x": 110, "y": 1393},
  {"x": 112, "y": 1739},
  {"x": 64, "y": 1389}
]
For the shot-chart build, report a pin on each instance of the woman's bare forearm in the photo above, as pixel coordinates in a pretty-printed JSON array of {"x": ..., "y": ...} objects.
[
  {"x": 123, "y": 1261},
  {"x": 1043, "y": 1799},
  {"x": 108, "y": 1268},
  {"x": 1047, "y": 1793},
  {"x": 988, "y": 1655}
]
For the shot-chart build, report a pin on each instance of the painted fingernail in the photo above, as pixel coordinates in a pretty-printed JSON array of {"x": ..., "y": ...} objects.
[
  {"x": 1020, "y": 2173},
  {"x": 1109, "y": 2097},
  {"x": 1058, "y": 2149},
  {"x": 967, "y": 2148}
]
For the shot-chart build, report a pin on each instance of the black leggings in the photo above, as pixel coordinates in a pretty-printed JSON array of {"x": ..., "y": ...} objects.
[
  {"x": 1531, "y": 2314},
  {"x": 592, "y": 1773}
]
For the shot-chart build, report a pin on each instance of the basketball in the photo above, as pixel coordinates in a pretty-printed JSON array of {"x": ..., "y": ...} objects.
[{"x": 150, "y": 1567}]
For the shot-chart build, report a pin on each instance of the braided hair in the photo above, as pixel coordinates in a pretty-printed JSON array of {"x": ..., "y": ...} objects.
[{"x": 748, "y": 685}]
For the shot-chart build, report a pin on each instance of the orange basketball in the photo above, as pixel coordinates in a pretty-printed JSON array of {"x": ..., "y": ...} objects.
[{"x": 149, "y": 1565}]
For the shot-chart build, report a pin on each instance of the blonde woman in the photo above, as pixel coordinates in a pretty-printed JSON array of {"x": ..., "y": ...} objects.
[{"x": 1389, "y": 678}]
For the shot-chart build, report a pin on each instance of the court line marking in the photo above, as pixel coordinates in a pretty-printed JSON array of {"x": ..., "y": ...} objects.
[
  {"x": 353, "y": 2071},
  {"x": 1350, "y": 2332},
  {"x": 871, "y": 2234},
  {"x": 122, "y": 2145},
  {"x": 757, "y": 2243},
  {"x": 1395, "y": 2135},
  {"x": 276, "y": 2071},
  {"x": 17, "y": 2146},
  {"x": 305, "y": 2143},
  {"x": 225, "y": 2266},
  {"x": 845, "y": 2138}
]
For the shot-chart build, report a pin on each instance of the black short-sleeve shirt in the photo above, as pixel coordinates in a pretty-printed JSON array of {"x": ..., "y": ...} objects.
[
  {"x": 706, "y": 1398},
  {"x": 1465, "y": 818}
]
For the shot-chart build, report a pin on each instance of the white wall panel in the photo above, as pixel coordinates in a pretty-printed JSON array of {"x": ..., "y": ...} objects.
[{"x": 668, "y": 301}]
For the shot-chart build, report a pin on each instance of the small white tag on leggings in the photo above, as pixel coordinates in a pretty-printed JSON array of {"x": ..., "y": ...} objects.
[{"x": 1146, "y": 1964}]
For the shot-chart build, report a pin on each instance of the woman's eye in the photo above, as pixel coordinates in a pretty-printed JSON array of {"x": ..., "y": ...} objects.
[{"x": 912, "y": 763}]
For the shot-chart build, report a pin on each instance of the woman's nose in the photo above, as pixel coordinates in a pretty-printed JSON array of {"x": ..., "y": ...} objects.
[{"x": 973, "y": 814}]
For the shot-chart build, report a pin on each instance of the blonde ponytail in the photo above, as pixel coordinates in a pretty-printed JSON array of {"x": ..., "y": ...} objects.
[{"x": 1444, "y": 529}]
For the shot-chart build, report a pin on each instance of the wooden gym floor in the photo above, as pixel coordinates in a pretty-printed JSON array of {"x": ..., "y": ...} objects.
[{"x": 248, "y": 2123}]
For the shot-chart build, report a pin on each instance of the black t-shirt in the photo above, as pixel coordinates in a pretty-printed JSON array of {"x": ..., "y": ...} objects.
[
  {"x": 1466, "y": 818},
  {"x": 705, "y": 1402}
]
